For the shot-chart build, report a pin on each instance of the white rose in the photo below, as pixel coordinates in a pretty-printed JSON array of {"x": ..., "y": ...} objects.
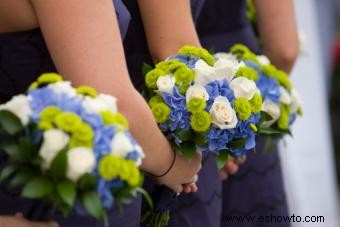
[
  {"x": 196, "y": 91},
  {"x": 141, "y": 154},
  {"x": 225, "y": 69},
  {"x": 204, "y": 73},
  {"x": 243, "y": 87},
  {"x": 63, "y": 87},
  {"x": 302, "y": 41},
  {"x": 226, "y": 56},
  {"x": 54, "y": 140},
  {"x": 20, "y": 107},
  {"x": 166, "y": 84},
  {"x": 263, "y": 60},
  {"x": 100, "y": 103},
  {"x": 273, "y": 110},
  {"x": 285, "y": 97},
  {"x": 296, "y": 101},
  {"x": 80, "y": 160},
  {"x": 222, "y": 114},
  {"x": 121, "y": 145}
]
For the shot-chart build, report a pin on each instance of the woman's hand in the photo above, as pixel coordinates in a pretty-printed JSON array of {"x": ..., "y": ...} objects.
[
  {"x": 19, "y": 221},
  {"x": 183, "y": 175},
  {"x": 231, "y": 167}
]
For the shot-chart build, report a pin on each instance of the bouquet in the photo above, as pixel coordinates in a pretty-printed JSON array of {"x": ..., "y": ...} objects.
[
  {"x": 69, "y": 147},
  {"x": 281, "y": 101}
]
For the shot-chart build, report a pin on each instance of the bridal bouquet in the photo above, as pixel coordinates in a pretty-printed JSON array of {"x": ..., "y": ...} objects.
[
  {"x": 203, "y": 103},
  {"x": 69, "y": 147},
  {"x": 281, "y": 101}
]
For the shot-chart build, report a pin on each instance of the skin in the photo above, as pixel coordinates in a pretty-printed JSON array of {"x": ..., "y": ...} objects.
[
  {"x": 83, "y": 39},
  {"x": 277, "y": 27}
]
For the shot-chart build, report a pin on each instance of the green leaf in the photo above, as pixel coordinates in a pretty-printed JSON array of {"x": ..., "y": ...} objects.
[
  {"x": 146, "y": 196},
  {"x": 7, "y": 171},
  {"x": 59, "y": 165},
  {"x": 67, "y": 191},
  {"x": 269, "y": 131},
  {"x": 238, "y": 143},
  {"x": 10, "y": 123},
  {"x": 146, "y": 68},
  {"x": 26, "y": 148},
  {"x": 86, "y": 181},
  {"x": 200, "y": 139},
  {"x": 188, "y": 149},
  {"x": 37, "y": 188},
  {"x": 92, "y": 204},
  {"x": 184, "y": 135},
  {"x": 265, "y": 116},
  {"x": 222, "y": 158},
  {"x": 21, "y": 178},
  {"x": 12, "y": 149}
]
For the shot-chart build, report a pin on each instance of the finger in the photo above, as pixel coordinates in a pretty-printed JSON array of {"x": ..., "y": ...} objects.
[
  {"x": 223, "y": 175},
  {"x": 231, "y": 167},
  {"x": 186, "y": 189},
  {"x": 241, "y": 160},
  {"x": 194, "y": 188},
  {"x": 177, "y": 188}
]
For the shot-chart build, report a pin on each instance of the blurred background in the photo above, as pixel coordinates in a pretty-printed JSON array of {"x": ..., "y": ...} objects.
[{"x": 311, "y": 160}]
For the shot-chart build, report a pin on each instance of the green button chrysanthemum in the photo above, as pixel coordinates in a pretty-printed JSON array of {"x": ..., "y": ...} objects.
[
  {"x": 200, "y": 121},
  {"x": 283, "y": 79},
  {"x": 83, "y": 133},
  {"x": 49, "y": 113},
  {"x": 135, "y": 177},
  {"x": 239, "y": 50},
  {"x": 49, "y": 78},
  {"x": 247, "y": 72},
  {"x": 196, "y": 105},
  {"x": 154, "y": 100},
  {"x": 45, "y": 125},
  {"x": 250, "y": 56},
  {"x": 242, "y": 108},
  {"x": 87, "y": 91},
  {"x": 33, "y": 85},
  {"x": 116, "y": 119},
  {"x": 152, "y": 77},
  {"x": 109, "y": 167},
  {"x": 256, "y": 103},
  {"x": 183, "y": 88},
  {"x": 283, "y": 122},
  {"x": 161, "y": 112},
  {"x": 198, "y": 52},
  {"x": 170, "y": 66},
  {"x": 184, "y": 75},
  {"x": 253, "y": 127},
  {"x": 68, "y": 121}
]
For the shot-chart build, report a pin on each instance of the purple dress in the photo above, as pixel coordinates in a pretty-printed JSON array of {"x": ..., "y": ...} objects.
[
  {"x": 23, "y": 57},
  {"x": 197, "y": 209},
  {"x": 257, "y": 189}
]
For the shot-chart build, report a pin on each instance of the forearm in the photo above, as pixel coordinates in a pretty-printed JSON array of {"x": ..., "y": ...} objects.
[
  {"x": 277, "y": 28},
  {"x": 172, "y": 29},
  {"x": 84, "y": 41}
]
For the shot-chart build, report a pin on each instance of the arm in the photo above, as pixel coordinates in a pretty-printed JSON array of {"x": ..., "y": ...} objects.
[
  {"x": 172, "y": 29},
  {"x": 277, "y": 28},
  {"x": 84, "y": 41}
]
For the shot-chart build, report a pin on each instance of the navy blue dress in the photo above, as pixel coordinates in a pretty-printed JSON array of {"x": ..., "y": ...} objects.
[
  {"x": 257, "y": 189},
  {"x": 197, "y": 209},
  {"x": 23, "y": 57}
]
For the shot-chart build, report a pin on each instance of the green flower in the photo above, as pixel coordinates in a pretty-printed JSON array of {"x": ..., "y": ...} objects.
[
  {"x": 109, "y": 167},
  {"x": 183, "y": 88},
  {"x": 80, "y": 143},
  {"x": 269, "y": 70},
  {"x": 247, "y": 72},
  {"x": 196, "y": 105},
  {"x": 283, "y": 121},
  {"x": 170, "y": 66},
  {"x": 68, "y": 121},
  {"x": 49, "y": 114},
  {"x": 83, "y": 133},
  {"x": 198, "y": 52},
  {"x": 283, "y": 79},
  {"x": 116, "y": 119},
  {"x": 239, "y": 50},
  {"x": 135, "y": 177},
  {"x": 49, "y": 78},
  {"x": 154, "y": 100},
  {"x": 152, "y": 77},
  {"x": 256, "y": 103},
  {"x": 45, "y": 125},
  {"x": 251, "y": 11},
  {"x": 87, "y": 91},
  {"x": 242, "y": 108},
  {"x": 161, "y": 112},
  {"x": 250, "y": 56},
  {"x": 184, "y": 75},
  {"x": 33, "y": 85},
  {"x": 200, "y": 121}
]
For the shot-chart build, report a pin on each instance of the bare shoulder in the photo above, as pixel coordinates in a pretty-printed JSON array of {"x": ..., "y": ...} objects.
[{"x": 17, "y": 15}]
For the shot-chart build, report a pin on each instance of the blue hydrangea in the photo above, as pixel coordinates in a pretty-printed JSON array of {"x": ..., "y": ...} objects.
[
  {"x": 190, "y": 61},
  {"x": 269, "y": 88},
  {"x": 179, "y": 117},
  {"x": 102, "y": 140},
  {"x": 219, "y": 88},
  {"x": 94, "y": 120},
  {"x": 218, "y": 139}
]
